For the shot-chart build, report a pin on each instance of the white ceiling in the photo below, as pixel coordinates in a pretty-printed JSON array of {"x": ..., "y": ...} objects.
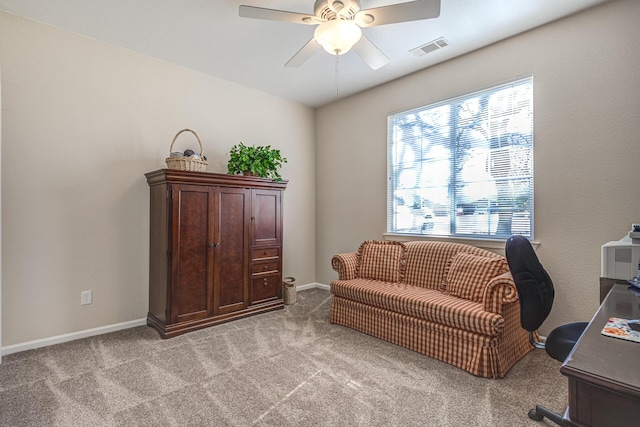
[{"x": 209, "y": 36}]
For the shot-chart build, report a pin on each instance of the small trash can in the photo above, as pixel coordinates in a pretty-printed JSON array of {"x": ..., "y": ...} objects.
[{"x": 289, "y": 290}]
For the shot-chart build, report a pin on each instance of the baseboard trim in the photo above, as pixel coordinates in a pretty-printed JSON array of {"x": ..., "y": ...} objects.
[
  {"x": 313, "y": 285},
  {"x": 59, "y": 339}
]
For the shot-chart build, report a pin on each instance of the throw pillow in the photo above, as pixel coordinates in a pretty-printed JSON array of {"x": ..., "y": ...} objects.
[
  {"x": 383, "y": 261},
  {"x": 467, "y": 275}
]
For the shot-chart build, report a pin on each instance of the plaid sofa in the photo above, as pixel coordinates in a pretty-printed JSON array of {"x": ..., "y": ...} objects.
[{"x": 454, "y": 302}]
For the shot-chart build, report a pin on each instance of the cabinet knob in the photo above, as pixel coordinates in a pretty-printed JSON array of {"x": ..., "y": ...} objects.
[
  {"x": 265, "y": 282},
  {"x": 213, "y": 245},
  {"x": 265, "y": 268}
]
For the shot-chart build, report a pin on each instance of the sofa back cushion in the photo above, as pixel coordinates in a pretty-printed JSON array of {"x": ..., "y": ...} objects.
[
  {"x": 383, "y": 261},
  {"x": 467, "y": 275},
  {"x": 427, "y": 261}
]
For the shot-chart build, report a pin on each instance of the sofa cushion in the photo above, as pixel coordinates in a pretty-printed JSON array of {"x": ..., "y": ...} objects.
[
  {"x": 383, "y": 261},
  {"x": 427, "y": 261},
  {"x": 467, "y": 275},
  {"x": 428, "y": 304}
]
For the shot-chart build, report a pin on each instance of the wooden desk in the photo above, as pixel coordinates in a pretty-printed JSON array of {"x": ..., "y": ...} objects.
[
  {"x": 606, "y": 284},
  {"x": 604, "y": 372}
]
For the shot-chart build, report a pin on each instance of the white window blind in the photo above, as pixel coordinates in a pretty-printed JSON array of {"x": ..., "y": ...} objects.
[{"x": 464, "y": 167}]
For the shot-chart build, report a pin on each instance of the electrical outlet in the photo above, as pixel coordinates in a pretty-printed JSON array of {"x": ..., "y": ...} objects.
[{"x": 85, "y": 297}]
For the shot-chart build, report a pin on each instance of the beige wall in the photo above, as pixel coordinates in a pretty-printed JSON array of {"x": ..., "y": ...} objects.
[
  {"x": 587, "y": 127},
  {"x": 82, "y": 121}
]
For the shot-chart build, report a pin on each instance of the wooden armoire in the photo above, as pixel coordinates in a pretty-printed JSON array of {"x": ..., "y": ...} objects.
[{"x": 215, "y": 249}]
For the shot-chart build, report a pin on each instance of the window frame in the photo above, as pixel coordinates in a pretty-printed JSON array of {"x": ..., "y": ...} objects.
[{"x": 453, "y": 180}]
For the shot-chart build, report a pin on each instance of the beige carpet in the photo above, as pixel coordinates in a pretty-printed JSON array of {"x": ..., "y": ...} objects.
[{"x": 285, "y": 368}]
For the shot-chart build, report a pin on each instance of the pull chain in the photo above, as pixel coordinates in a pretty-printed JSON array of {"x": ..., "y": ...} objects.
[{"x": 337, "y": 92}]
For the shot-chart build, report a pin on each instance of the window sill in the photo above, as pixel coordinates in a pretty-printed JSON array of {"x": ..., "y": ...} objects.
[{"x": 492, "y": 245}]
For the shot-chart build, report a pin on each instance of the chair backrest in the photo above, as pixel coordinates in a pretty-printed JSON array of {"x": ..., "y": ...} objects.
[{"x": 535, "y": 288}]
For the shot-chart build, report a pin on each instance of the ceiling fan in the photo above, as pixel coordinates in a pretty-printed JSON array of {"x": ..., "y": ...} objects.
[{"x": 339, "y": 25}]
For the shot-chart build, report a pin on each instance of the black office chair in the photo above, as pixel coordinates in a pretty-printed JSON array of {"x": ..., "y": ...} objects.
[{"x": 535, "y": 291}]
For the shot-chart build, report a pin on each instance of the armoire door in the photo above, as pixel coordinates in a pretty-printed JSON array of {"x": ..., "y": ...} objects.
[
  {"x": 191, "y": 255},
  {"x": 266, "y": 217},
  {"x": 231, "y": 250}
]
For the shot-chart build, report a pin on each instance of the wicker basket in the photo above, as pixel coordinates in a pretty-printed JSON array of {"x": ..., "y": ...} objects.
[
  {"x": 193, "y": 164},
  {"x": 289, "y": 290}
]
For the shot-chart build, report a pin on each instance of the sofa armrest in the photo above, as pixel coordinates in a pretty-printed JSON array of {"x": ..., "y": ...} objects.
[
  {"x": 345, "y": 264},
  {"x": 499, "y": 291}
]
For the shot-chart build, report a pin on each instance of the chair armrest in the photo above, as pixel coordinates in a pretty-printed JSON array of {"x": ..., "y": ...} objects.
[
  {"x": 499, "y": 291},
  {"x": 345, "y": 264}
]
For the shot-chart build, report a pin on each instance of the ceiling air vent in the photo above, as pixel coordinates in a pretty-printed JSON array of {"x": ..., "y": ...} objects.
[{"x": 436, "y": 44}]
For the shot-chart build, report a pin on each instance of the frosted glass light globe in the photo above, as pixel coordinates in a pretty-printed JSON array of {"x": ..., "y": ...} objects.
[{"x": 337, "y": 36}]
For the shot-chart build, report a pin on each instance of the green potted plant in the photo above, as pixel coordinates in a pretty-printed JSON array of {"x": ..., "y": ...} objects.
[{"x": 262, "y": 161}]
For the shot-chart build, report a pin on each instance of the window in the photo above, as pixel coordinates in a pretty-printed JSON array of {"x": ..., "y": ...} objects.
[{"x": 464, "y": 167}]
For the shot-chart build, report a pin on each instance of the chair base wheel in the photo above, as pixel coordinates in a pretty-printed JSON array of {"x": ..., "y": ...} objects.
[
  {"x": 533, "y": 414},
  {"x": 540, "y": 412}
]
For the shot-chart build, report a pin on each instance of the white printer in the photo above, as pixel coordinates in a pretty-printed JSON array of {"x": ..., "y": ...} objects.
[{"x": 621, "y": 259}]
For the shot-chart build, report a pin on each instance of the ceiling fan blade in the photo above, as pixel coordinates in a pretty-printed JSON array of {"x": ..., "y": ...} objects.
[
  {"x": 303, "y": 54},
  {"x": 370, "y": 53},
  {"x": 277, "y": 15},
  {"x": 401, "y": 12}
]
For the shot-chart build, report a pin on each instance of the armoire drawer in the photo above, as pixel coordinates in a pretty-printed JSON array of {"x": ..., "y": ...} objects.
[
  {"x": 264, "y": 267},
  {"x": 265, "y": 288},
  {"x": 262, "y": 253}
]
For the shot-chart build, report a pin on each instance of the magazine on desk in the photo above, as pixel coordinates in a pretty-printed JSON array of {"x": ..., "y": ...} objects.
[{"x": 619, "y": 328}]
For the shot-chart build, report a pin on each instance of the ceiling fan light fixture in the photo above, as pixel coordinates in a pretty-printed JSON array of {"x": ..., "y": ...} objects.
[{"x": 337, "y": 36}]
